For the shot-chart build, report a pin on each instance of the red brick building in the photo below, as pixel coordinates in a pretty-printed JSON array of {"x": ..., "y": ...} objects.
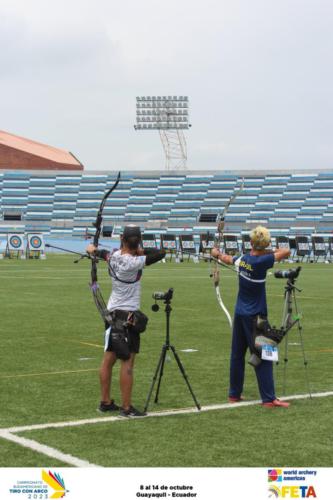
[{"x": 18, "y": 153}]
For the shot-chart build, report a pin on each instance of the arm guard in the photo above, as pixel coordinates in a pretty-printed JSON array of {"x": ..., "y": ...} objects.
[
  {"x": 102, "y": 254},
  {"x": 153, "y": 255}
]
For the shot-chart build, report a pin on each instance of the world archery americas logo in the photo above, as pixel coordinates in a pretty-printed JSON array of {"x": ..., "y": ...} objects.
[
  {"x": 56, "y": 482},
  {"x": 274, "y": 475}
]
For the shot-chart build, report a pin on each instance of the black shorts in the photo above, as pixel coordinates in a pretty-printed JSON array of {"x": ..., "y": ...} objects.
[{"x": 132, "y": 338}]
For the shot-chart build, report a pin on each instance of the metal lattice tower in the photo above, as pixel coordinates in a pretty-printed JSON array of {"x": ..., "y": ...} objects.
[
  {"x": 174, "y": 145},
  {"x": 168, "y": 115}
]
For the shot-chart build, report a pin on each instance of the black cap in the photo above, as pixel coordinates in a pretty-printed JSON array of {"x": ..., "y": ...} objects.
[{"x": 131, "y": 231}]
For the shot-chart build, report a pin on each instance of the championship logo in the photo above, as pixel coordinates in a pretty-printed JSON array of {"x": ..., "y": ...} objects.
[{"x": 56, "y": 482}]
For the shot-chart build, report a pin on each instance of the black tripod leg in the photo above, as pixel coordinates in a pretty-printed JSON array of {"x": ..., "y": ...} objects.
[
  {"x": 163, "y": 356},
  {"x": 299, "y": 327},
  {"x": 284, "y": 385},
  {"x": 182, "y": 370},
  {"x": 159, "y": 367},
  {"x": 300, "y": 330}
]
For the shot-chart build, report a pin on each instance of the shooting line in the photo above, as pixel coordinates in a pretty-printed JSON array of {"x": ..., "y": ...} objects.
[{"x": 10, "y": 433}]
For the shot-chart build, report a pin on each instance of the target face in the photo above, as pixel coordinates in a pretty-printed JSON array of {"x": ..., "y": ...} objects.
[
  {"x": 36, "y": 242},
  {"x": 231, "y": 244},
  {"x": 188, "y": 244},
  {"x": 15, "y": 242},
  {"x": 303, "y": 246},
  {"x": 171, "y": 244},
  {"x": 149, "y": 244},
  {"x": 207, "y": 244}
]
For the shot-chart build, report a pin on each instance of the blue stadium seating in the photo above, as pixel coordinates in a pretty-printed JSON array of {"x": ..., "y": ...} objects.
[{"x": 65, "y": 204}]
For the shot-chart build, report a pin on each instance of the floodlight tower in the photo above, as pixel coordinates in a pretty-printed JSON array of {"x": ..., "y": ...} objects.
[{"x": 168, "y": 115}]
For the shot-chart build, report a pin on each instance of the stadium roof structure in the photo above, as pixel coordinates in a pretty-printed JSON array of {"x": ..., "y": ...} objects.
[{"x": 19, "y": 153}]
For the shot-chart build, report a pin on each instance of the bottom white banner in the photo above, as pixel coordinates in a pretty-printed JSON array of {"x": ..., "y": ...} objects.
[{"x": 168, "y": 483}]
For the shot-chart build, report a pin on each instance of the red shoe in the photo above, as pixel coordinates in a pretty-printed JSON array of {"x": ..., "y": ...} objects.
[
  {"x": 235, "y": 400},
  {"x": 276, "y": 403}
]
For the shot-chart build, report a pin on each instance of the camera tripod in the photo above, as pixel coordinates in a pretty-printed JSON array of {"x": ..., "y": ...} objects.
[
  {"x": 167, "y": 347},
  {"x": 288, "y": 321}
]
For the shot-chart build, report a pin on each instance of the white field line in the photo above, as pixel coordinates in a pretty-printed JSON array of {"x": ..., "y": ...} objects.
[
  {"x": 45, "y": 450},
  {"x": 180, "y": 411},
  {"x": 9, "y": 435},
  {"x": 31, "y": 277},
  {"x": 105, "y": 281}
]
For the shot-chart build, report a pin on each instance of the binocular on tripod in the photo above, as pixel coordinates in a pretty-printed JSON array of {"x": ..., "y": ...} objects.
[
  {"x": 165, "y": 296},
  {"x": 290, "y": 274}
]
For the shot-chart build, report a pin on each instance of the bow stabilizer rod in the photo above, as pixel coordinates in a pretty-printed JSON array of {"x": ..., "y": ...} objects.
[{"x": 82, "y": 255}]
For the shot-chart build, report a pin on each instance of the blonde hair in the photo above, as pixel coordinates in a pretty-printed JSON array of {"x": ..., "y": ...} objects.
[{"x": 260, "y": 238}]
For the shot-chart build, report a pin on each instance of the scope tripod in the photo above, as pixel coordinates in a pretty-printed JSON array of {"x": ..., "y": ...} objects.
[
  {"x": 288, "y": 321},
  {"x": 160, "y": 365}
]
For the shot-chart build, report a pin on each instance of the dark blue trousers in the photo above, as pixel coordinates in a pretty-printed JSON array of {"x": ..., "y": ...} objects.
[{"x": 242, "y": 339}]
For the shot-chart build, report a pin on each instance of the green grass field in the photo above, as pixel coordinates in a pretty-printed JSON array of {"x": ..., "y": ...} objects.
[{"x": 52, "y": 344}]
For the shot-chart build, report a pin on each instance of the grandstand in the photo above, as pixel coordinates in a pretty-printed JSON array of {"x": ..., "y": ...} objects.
[{"x": 64, "y": 203}]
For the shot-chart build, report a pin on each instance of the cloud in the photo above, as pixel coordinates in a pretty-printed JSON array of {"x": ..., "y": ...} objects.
[
  {"x": 31, "y": 49},
  {"x": 258, "y": 75}
]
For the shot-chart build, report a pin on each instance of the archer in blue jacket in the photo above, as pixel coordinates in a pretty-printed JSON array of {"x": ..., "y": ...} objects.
[{"x": 251, "y": 301}]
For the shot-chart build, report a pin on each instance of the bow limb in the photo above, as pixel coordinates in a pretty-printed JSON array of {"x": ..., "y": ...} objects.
[
  {"x": 99, "y": 219},
  {"x": 223, "y": 307},
  {"x": 220, "y": 231},
  {"x": 100, "y": 302},
  {"x": 216, "y": 278},
  {"x": 94, "y": 286}
]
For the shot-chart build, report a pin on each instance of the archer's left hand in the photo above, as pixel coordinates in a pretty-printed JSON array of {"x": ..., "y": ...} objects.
[
  {"x": 91, "y": 249},
  {"x": 215, "y": 253}
]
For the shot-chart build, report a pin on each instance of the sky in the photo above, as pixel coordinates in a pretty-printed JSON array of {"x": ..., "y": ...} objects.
[{"x": 258, "y": 74}]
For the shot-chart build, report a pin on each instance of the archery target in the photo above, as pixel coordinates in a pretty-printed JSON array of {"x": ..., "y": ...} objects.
[
  {"x": 35, "y": 242},
  {"x": 304, "y": 246},
  {"x": 15, "y": 242},
  {"x": 149, "y": 243},
  {"x": 188, "y": 244},
  {"x": 207, "y": 245},
  {"x": 169, "y": 244},
  {"x": 231, "y": 244}
]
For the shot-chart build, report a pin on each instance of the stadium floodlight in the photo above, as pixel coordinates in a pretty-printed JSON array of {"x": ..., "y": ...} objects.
[{"x": 169, "y": 115}]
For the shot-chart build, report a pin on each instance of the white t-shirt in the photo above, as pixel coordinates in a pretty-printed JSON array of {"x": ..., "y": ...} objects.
[{"x": 125, "y": 268}]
